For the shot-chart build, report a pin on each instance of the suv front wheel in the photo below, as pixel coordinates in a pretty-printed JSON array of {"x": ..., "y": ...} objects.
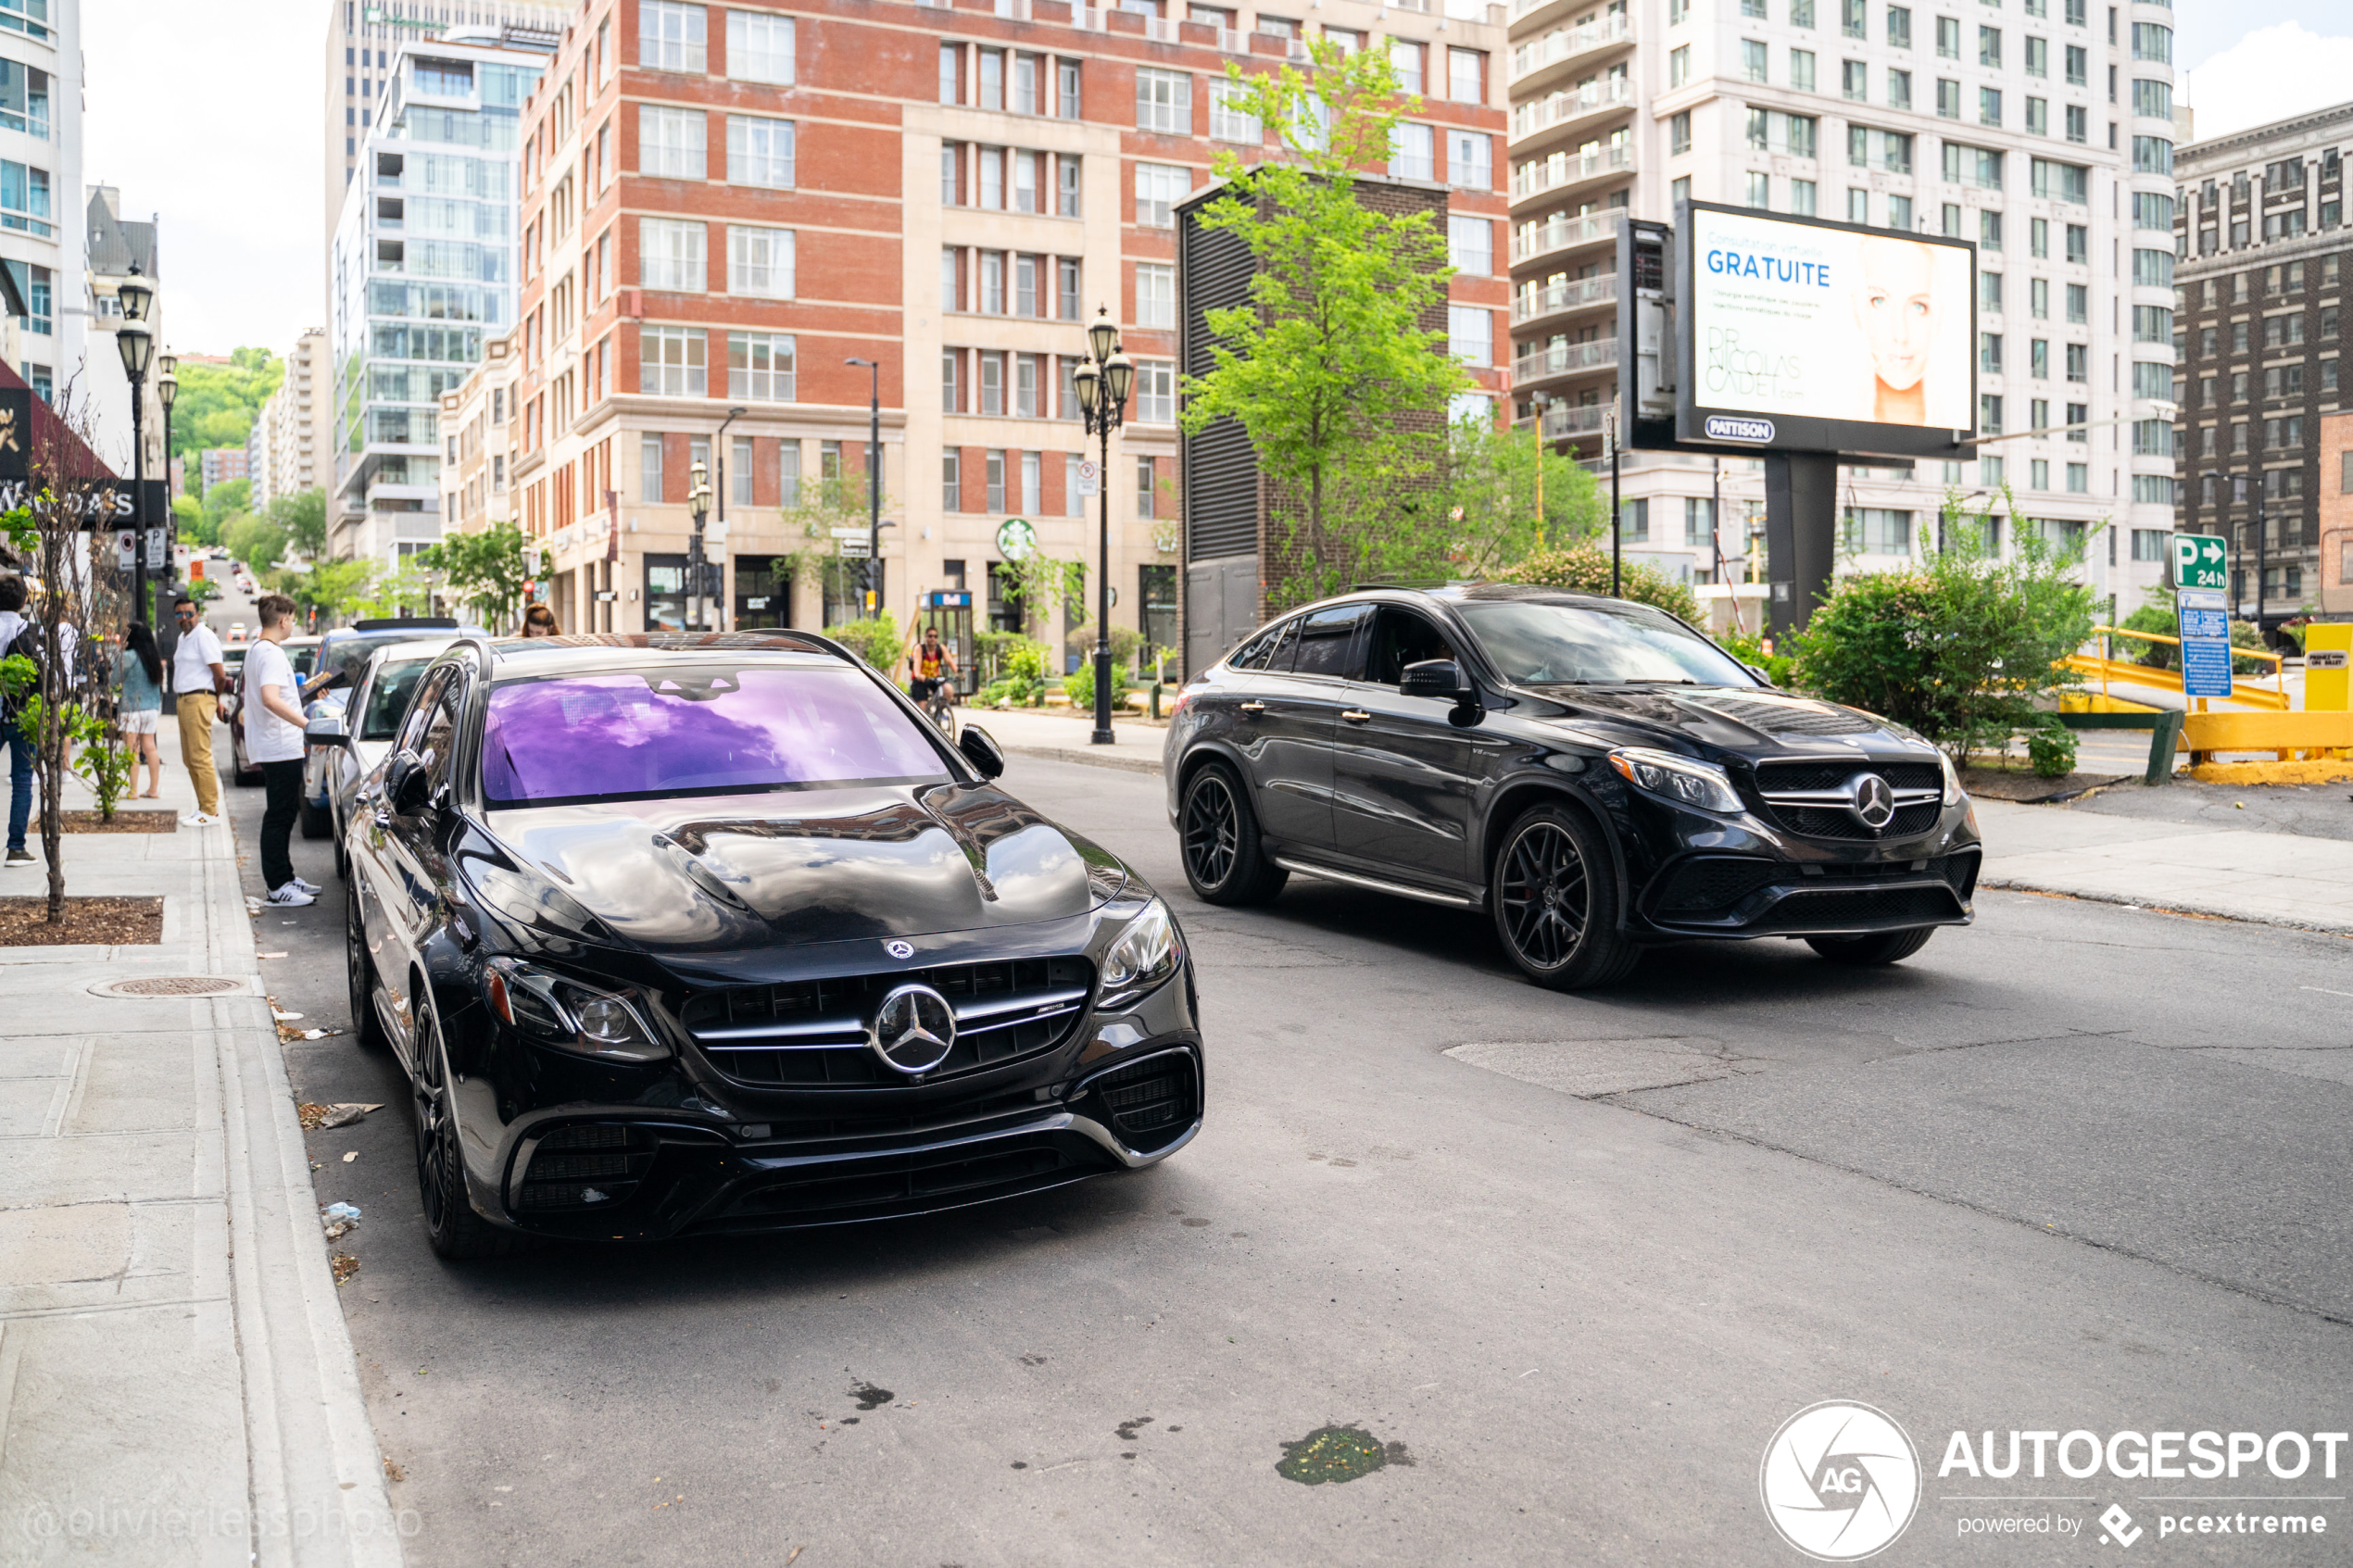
[
  {"x": 1225, "y": 858},
  {"x": 1556, "y": 899}
]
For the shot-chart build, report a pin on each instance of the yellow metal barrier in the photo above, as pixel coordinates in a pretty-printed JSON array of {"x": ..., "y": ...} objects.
[
  {"x": 2099, "y": 668},
  {"x": 2281, "y": 734}
]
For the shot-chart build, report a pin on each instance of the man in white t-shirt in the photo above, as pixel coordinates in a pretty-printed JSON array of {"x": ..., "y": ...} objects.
[
  {"x": 198, "y": 679},
  {"x": 272, "y": 715}
]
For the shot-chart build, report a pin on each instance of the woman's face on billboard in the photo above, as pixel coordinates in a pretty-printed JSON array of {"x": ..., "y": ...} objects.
[{"x": 1897, "y": 305}]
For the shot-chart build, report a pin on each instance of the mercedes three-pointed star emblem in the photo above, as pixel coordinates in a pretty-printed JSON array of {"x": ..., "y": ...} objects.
[
  {"x": 1873, "y": 803},
  {"x": 913, "y": 1029}
]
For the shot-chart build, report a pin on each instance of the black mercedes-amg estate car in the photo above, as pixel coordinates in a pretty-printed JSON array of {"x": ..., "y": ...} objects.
[
  {"x": 717, "y": 933},
  {"x": 1594, "y": 773}
]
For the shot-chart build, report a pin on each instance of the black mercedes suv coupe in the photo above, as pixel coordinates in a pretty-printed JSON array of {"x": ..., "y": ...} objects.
[
  {"x": 1596, "y": 774},
  {"x": 711, "y": 933}
]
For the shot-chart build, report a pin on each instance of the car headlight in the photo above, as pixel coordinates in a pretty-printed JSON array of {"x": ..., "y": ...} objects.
[
  {"x": 1683, "y": 780},
  {"x": 1954, "y": 794},
  {"x": 1147, "y": 953},
  {"x": 564, "y": 1013}
]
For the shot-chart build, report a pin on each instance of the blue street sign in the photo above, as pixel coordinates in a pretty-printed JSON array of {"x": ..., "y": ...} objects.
[{"x": 2205, "y": 627}]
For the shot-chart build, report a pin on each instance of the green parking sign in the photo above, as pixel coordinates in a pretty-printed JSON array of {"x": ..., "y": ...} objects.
[{"x": 2201, "y": 561}]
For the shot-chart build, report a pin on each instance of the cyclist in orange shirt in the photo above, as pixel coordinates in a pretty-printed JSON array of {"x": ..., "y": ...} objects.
[{"x": 932, "y": 666}]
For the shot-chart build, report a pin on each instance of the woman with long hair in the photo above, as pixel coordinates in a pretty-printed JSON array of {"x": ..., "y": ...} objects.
[
  {"x": 138, "y": 671},
  {"x": 538, "y": 621}
]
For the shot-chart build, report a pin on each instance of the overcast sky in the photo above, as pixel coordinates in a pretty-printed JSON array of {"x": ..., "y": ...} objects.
[{"x": 208, "y": 113}]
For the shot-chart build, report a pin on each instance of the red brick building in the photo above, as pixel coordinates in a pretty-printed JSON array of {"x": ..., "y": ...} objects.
[{"x": 723, "y": 202}]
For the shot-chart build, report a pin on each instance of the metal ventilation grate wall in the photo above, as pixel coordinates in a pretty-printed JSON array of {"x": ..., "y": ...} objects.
[{"x": 1221, "y": 471}]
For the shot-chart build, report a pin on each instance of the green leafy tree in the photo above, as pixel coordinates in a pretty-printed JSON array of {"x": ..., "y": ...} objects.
[
  {"x": 1958, "y": 645},
  {"x": 1490, "y": 498},
  {"x": 302, "y": 518},
  {"x": 194, "y": 527},
  {"x": 1329, "y": 369},
  {"x": 335, "y": 589},
  {"x": 1586, "y": 569},
  {"x": 217, "y": 404},
  {"x": 483, "y": 572},
  {"x": 224, "y": 501},
  {"x": 256, "y": 541},
  {"x": 407, "y": 589}
]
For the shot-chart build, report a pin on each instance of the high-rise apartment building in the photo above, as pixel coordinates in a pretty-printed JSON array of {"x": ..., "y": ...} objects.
[
  {"x": 724, "y": 202},
  {"x": 2261, "y": 225},
  {"x": 42, "y": 238},
  {"x": 222, "y": 464},
  {"x": 424, "y": 270},
  {"x": 2041, "y": 130},
  {"x": 363, "y": 36},
  {"x": 293, "y": 435}
]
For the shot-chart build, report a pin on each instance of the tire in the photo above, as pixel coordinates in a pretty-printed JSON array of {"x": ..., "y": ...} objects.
[
  {"x": 359, "y": 975},
  {"x": 452, "y": 1228},
  {"x": 1556, "y": 899},
  {"x": 1217, "y": 835},
  {"x": 317, "y": 822},
  {"x": 1880, "y": 948},
  {"x": 946, "y": 719}
]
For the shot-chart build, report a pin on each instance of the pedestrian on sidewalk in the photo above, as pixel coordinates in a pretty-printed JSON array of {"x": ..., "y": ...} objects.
[
  {"x": 273, "y": 740},
  {"x": 199, "y": 677},
  {"x": 138, "y": 672},
  {"x": 538, "y": 621},
  {"x": 13, "y": 625}
]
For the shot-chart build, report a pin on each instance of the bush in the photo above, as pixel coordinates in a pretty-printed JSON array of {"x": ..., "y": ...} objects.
[
  {"x": 1778, "y": 667},
  {"x": 2050, "y": 748},
  {"x": 1080, "y": 686},
  {"x": 876, "y": 641},
  {"x": 1585, "y": 567},
  {"x": 1958, "y": 646},
  {"x": 1126, "y": 640},
  {"x": 1022, "y": 684}
]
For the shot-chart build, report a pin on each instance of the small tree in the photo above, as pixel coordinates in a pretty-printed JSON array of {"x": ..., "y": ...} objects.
[
  {"x": 483, "y": 572},
  {"x": 1959, "y": 645},
  {"x": 1329, "y": 367},
  {"x": 1586, "y": 569},
  {"x": 1491, "y": 498},
  {"x": 302, "y": 518}
]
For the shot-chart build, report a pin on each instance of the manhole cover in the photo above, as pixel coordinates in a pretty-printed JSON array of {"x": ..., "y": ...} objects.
[{"x": 171, "y": 985}]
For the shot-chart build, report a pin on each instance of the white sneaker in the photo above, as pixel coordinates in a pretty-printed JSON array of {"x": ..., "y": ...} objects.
[
  {"x": 310, "y": 888},
  {"x": 290, "y": 897},
  {"x": 197, "y": 820}
]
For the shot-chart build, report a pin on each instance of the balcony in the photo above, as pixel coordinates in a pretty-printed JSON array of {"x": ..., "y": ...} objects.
[
  {"x": 1567, "y": 359},
  {"x": 1562, "y": 424},
  {"x": 1532, "y": 241},
  {"x": 1572, "y": 43},
  {"x": 1536, "y": 304},
  {"x": 1570, "y": 105},
  {"x": 1565, "y": 169}
]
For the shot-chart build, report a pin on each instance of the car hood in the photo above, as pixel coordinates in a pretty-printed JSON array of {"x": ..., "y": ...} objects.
[
  {"x": 813, "y": 865},
  {"x": 1748, "y": 721}
]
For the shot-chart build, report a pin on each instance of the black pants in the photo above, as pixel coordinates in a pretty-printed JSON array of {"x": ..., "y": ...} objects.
[{"x": 284, "y": 782}]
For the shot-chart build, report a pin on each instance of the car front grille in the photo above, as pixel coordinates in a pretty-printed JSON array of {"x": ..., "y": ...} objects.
[
  {"x": 1837, "y": 822},
  {"x": 1832, "y": 909},
  {"x": 585, "y": 1167},
  {"x": 812, "y": 1033},
  {"x": 901, "y": 1183},
  {"x": 1777, "y": 778},
  {"x": 1715, "y": 882},
  {"x": 1149, "y": 1104}
]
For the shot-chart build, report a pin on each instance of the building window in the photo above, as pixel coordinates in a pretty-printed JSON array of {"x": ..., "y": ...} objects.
[
  {"x": 952, "y": 73},
  {"x": 1852, "y": 18},
  {"x": 1164, "y": 101},
  {"x": 1678, "y": 132},
  {"x": 1470, "y": 246},
  {"x": 1803, "y": 197},
  {"x": 1155, "y": 295},
  {"x": 951, "y": 381},
  {"x": 1760, "y": 191},
  {"x": 1067, "y": 298},
  {"x": 1407, "y": 57},
  {"x": 1899, "y": 213},
  {"x": 993, "y": 467},
  {"x": 951, "y": 481},
  {"x": 760, "y": 262},
  {"x": 1466, "y": 75},
  {"x": 1879, "y": 530},
  {"x": 670, "y": 143},
  {"x": 670, "y": 255},
  {"x": 649, "y": 469},
  {"x": 992, "y": 381},
  {"x": 1753, "y": 59},
  {"x": 1470, "y": 335},
  {"x": 1145, "y": 485},
  {"x": 670, "y": 362},
  {"x": 1471, "y": 161},
  {"x": 1067, "y": 168},
  {"x": 1159, "y": 187},
  {"x": 1679, "y": 65},
  {"x": 1989, "y": 292},
  {"x": 2079, "y": 303},
  {"x": 670, "y": 37},
  {"x": 759, "y": 367},
  {"x": 24, "y": 99},
  {"x": 1066, "y": 94},
  {"x": 759, "y": 152},
  {"x": 1156, "y": 392},
  {"x": 2079, "y": 362},
  {"x": 1412, "y": 154},
  {"x": 1032, "y": 487},
  {"x": 2079, "y": 479},
  {"x": 1855, "y": 81},
  {"x": 1028, "y": 371},
  {"x": 1989, "y": 106},
  {"x": 1948, "y": 38},
  {"x": 1899, "y": 89},
  {"x": 759, "y": 48},
  {"x": 1801, "y": 69},
  {"x": 1899, "y": 26},
  {"x": 1229, "y": 116}
]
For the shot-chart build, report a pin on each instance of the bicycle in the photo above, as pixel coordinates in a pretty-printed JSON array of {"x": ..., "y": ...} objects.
[{"x": 939, "y": 707}]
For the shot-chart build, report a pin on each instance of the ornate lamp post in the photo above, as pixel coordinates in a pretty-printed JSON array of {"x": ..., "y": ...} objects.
[
  {"x": 698, "y": 502},
  {"x": 137, "y": 343},
  {"x": 1102, "y": 381},
  {"x": 873, "y": 486}
]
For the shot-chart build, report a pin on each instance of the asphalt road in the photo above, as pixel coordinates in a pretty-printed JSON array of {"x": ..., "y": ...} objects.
[{"x": 2076, "y": 1168}]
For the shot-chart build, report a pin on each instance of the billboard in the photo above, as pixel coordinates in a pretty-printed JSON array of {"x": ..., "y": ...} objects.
[{"x": 1795, "y": 335}]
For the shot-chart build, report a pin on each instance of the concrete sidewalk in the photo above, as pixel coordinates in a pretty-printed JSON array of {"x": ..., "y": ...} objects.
[
  {"x": 176, "y": 1383},
  {"x": 2273, "y": 878},
  {"x": 1061, "y": 736}
]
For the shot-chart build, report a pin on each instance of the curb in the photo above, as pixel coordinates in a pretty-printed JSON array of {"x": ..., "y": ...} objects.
[
  {"x": 2200, "y": 910},
  {"x": 1088, "y": 755}
]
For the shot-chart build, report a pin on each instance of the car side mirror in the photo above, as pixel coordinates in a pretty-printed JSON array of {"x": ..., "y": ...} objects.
[
  {"x": 326, "y": 730},
  {"x": 1444, "y": 680},
  {"x": 407, "y": 783},
  {"x": 982, "y": 751},
  {"x": 1762, "y": 678}
]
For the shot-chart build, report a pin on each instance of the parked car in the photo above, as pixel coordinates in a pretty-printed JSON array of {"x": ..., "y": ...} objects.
[
  {"x": 1596, "y": 775},
  {"x": 236, "y": 632},
  {"x": 715, "y": 935},
  {"x": 370, "y": 711},
  {"x": 301, "y": 653}
]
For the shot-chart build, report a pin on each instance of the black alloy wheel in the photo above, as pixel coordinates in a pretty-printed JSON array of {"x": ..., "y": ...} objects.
[
  {"x": 1556, "y": 900},
  {"x": 1224, "y": 860},
  {"x": 359, "y": 975},
  {"x": 452, "y": 1228},
  {"x": 1880, "y": 948}
]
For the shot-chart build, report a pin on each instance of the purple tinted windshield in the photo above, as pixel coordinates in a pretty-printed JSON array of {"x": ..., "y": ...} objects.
[{"x": 704, "y": 729}]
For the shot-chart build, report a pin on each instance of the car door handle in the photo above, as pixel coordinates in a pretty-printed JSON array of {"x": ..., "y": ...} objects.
[
  {"x": 1356, "y": 716},
  {"x": 383, "y": 819},
  {"x": 1252, "y": 707}
]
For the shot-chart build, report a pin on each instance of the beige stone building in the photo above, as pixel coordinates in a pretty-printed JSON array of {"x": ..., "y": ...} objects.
[{"x": 295, "y": 433}]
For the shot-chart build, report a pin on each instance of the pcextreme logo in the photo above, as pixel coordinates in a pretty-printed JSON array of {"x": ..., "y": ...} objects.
[{"x": 1841, "y": 1481}]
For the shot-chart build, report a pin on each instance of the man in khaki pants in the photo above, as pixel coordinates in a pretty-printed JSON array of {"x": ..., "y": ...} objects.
[{"x": 197, "y": 676}]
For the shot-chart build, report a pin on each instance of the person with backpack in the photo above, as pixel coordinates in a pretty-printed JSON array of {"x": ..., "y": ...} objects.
[
  {"x": 15, "y": 628},
  {"x": 138, "y": 672}
]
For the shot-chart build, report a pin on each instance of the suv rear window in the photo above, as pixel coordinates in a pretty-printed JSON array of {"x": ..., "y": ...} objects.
[{"x": 696, "y": 730}]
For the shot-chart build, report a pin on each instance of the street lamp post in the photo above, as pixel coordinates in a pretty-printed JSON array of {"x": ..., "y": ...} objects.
[
  {"x": 874, "y": 485},
  {"x": 719, "y": 457},
  {"x": 137, "y": 343},
  {"x": 1102, "y": 381},
  {"x": 698, "y": 503}
]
